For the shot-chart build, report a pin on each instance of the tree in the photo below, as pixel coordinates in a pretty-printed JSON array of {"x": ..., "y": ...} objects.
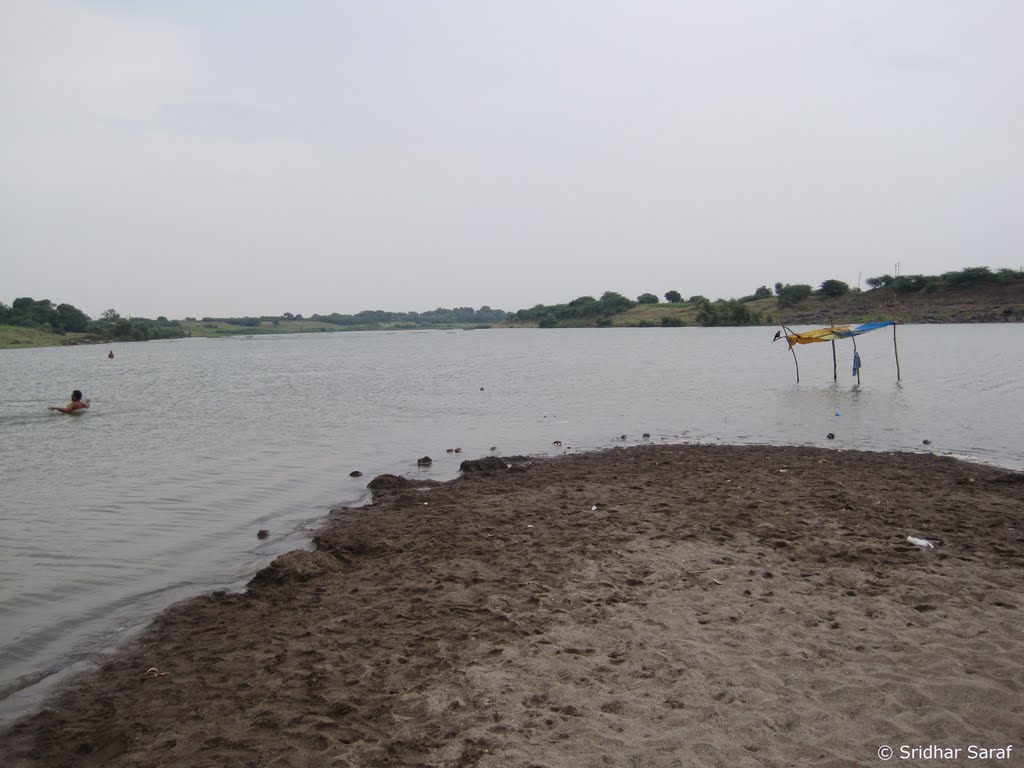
[
  {"x": 647, "y": 298},
  {"x": 71, "y": 318},
  {"x": 111, "y": 316},
  {"x": 584, "y": 306},
  {"x": 612, "y": 303},
  {"x": 673, "y": 297},
  {"x": 706, "y": 314},
  {"x": 834, "y": 288},
  {"x": 26, "y": 311},
  {"x": 764, "y": 292},
  {"x": 879, "y": 282},
  {"x": 548, "y": 321},
  {"x": 791, "y": 295}
]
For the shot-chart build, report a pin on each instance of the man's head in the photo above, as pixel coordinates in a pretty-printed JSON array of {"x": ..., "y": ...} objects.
[{"x": 76, "y": 395}]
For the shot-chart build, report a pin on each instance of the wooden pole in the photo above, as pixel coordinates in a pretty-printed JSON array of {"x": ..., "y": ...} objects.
[
  {"x": 895, "y": 349},
  {"x": 790, "y": 344},
  {"x": 835, "y": 371}
]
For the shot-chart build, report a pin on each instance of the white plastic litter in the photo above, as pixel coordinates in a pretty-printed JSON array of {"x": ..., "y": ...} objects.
[{"x": 922, "y": 543}]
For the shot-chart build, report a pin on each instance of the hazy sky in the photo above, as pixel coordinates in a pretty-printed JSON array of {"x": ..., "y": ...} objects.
[{"x": 252, "y": 157}]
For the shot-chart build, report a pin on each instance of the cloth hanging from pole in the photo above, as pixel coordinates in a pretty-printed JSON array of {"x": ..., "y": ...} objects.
[{"x": 832, "y": 333}]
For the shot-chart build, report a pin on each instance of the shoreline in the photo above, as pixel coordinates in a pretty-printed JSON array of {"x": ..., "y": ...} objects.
[
  {"x": 672, "y": 604},
  {"x": 811, "y": 319}
]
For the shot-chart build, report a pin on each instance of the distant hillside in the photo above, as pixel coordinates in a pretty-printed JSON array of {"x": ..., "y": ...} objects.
[
  {"x": 990, "y": 303},
  {"x": 973, "y": 295}
]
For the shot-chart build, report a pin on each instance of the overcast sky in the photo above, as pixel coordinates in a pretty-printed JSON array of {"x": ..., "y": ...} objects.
[{"x": 205, "y": 157}]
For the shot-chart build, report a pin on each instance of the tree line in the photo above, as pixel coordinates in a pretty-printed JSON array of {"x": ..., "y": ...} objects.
[
  {"x": 410, "y": 320},
  {"x": 44, "y": 315}
]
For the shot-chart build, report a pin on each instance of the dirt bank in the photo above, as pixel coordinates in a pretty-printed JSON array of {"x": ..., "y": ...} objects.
[{"x": 650, "y": 606}]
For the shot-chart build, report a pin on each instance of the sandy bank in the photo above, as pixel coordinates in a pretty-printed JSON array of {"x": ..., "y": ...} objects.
[{"x": 661, "y": 606}]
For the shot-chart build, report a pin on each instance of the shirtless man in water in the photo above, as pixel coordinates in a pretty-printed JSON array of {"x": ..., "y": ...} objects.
[{"x": 76, "y": 404}]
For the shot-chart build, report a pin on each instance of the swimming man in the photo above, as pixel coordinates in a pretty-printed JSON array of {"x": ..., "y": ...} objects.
[{"x": 76, "y": 404}]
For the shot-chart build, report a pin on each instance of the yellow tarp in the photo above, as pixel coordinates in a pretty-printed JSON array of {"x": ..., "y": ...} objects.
[{"x": 820, "y": 334}]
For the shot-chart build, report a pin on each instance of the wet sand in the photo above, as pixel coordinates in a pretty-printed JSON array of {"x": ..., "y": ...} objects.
[{"x": 648, "y": 606}]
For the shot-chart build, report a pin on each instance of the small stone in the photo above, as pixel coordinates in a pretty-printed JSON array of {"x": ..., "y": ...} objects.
[
  {"x": 831, "y": 436},
  {"x": 425, "y": 461},
  {"x": 355, "y": 473},
  {"x": 263, "y": 533}
]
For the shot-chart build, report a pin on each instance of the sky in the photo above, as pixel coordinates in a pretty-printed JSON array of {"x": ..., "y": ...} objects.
[{"x": 248, "y": 157}]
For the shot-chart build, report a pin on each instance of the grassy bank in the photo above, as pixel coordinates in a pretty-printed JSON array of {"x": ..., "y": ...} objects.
[{"x": 14, "y": 337}]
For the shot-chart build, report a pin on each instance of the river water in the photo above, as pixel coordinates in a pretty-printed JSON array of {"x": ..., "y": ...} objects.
[{"x": 191, "y": 446}]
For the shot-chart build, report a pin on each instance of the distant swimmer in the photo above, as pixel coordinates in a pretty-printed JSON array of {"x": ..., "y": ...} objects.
[
  {"x": 76, "y": 404},
  {"x": 110, "y": 354}
]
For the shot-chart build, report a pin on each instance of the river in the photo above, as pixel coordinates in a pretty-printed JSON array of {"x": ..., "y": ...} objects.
[{"x": 191, "y": 446}]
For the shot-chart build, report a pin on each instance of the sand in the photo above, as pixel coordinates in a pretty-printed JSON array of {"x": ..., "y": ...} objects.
[{"x": 647, "y": 606}]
